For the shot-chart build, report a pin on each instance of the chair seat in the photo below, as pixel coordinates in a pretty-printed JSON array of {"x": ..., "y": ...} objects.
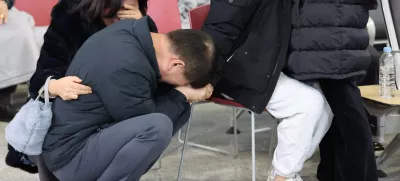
[{"x": 226, "y": 102}]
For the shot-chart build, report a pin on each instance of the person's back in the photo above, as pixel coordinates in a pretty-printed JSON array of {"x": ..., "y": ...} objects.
[
  {"x": 329, "y": 44},
  {"x": 84, "y": 116},
  {"x": 123, "y": 118}
]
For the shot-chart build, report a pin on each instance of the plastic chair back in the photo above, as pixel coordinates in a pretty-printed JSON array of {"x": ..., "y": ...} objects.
[{"x": 198, "y": 16}]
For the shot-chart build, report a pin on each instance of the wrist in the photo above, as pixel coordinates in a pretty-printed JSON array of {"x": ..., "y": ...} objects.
[{"x": 52, "y": 88}]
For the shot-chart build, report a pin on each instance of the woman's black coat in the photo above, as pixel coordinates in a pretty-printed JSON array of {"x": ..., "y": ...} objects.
[{"x": 65, "y": 35}]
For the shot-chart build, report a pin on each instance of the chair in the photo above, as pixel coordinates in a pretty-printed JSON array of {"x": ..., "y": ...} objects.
[
  {"x": 382, "y": 108},
  {"x": 197, "y": 17}
]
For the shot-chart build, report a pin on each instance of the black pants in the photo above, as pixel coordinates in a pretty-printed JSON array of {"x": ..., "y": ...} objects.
[
  {"x": 5, "y": 94},
  {"x": 347, "y": 149}
]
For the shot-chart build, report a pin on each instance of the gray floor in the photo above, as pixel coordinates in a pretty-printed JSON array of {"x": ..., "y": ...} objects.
[{"x": 210, "y": 123}]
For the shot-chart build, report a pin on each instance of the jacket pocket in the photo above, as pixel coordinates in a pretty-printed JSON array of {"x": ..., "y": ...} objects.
[{"x": 229, "y": 11}]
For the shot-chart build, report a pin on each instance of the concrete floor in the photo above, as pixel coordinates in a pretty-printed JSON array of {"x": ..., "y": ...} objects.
[{"x": 208, "y": 127}]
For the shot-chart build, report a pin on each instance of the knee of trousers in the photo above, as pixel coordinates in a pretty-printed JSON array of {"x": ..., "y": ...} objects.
[
  {"x": 312, "y": 104},
  {"x": 163, "y": 126}
]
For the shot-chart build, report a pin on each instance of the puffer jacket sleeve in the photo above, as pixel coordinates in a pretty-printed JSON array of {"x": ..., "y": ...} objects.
[{"x": 10, "y": 3}]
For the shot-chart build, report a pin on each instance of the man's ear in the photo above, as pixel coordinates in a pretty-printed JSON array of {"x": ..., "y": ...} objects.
[{"x": 176, "y": 63}]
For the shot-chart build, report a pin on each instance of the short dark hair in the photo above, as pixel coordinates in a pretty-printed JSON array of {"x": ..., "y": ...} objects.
[
  {"x": 197, "y": 50},
  {"x": 93, "y": 10}
]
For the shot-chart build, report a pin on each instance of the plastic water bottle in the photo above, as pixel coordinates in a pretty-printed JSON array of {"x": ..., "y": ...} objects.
[{"x": 387, "y": 74}]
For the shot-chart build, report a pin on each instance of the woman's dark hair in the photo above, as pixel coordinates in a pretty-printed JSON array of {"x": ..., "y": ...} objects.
[{"x": 93, "y": 10}]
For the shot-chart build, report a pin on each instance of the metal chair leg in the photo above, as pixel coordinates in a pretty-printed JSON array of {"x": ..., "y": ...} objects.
[
  {"x": 253, "y": 147},
  {"x": 235, "y": 132},
  {"x": 185, "y": 144},
  {"x": 272, "y": 144},
  {"x": 235, "y": 115},
  {"x": 231, "y": 127}
]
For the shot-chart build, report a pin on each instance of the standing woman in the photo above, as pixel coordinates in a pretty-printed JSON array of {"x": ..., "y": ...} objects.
[
  {"x": 72, "y": 23},
  {"x": 329, "y": 44},
  {"x": 18, "y": 53}
]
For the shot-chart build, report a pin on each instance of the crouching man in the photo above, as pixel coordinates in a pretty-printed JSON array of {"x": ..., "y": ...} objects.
[{"x": 117, "y": 132}]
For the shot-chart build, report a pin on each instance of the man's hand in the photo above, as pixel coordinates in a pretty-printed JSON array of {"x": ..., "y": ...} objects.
[{"x": 195, "y": 95}]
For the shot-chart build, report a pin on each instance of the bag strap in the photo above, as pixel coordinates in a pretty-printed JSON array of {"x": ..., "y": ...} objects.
[{"x": 45, "y": 91}]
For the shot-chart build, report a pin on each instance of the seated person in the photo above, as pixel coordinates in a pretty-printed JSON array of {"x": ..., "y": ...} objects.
[
  {"x": 252, "y": 38},
  {"x": 120, "y": 129},
  {"x": 18, "y": 53}
]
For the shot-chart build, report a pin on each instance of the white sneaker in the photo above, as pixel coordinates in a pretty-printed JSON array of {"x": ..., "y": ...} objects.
[
  {"x": 296, "y": 178},
  {"x": 271, "y": 177}
]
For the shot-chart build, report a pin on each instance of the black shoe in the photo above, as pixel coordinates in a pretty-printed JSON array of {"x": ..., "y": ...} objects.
[
  {"x": 7, "y": 112},
  {"x": 19, "y": 160}
]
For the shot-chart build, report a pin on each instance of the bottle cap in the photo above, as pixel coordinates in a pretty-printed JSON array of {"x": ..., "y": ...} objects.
[{"x": 387, "y": 50}]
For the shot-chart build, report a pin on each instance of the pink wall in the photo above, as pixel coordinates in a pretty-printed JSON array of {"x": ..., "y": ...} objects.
[
  {"x": 39, "y": 9},
  {"x": 166, "y": 14}
]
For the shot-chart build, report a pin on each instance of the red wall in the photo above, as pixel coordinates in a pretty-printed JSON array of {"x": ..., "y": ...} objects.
[
  {"x": 39, "y": 9},
  {"x": 164, "y": 12}
]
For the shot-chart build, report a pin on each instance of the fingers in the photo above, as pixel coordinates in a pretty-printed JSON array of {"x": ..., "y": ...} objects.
[
  {"x": 79, "y": 92},
  {"x": 3, "y": 12},
  {"x": 127, "y": 12},
  {"x": 2, "y": 19},
  {"x": 75, "y": 79},
  {"x": 131, "y": 7},
  {"x": 68, "y": 97},
  {"x": 129, "y": 16},
  {"x": 76, "y": 86}
]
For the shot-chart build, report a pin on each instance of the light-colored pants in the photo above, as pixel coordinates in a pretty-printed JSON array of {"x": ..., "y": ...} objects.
[{"x": 306, "y": 117}]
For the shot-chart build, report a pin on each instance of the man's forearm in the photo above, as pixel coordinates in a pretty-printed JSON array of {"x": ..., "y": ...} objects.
[{"x": 173, "y": 104}]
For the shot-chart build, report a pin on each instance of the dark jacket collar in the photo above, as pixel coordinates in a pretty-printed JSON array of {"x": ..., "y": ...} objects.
[{"x": 141, "y": 30}]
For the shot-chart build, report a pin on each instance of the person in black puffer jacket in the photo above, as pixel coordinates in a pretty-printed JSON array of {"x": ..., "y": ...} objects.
[{"x": 329, "y": 44}]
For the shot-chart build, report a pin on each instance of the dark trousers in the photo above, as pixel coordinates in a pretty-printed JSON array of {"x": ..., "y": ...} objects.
[
  {"x": 5, "y": 95},
  {"x": 121, "y": 152},
  {"x": 347, "y": 149},
  {"x": 46, "y": 175}
]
